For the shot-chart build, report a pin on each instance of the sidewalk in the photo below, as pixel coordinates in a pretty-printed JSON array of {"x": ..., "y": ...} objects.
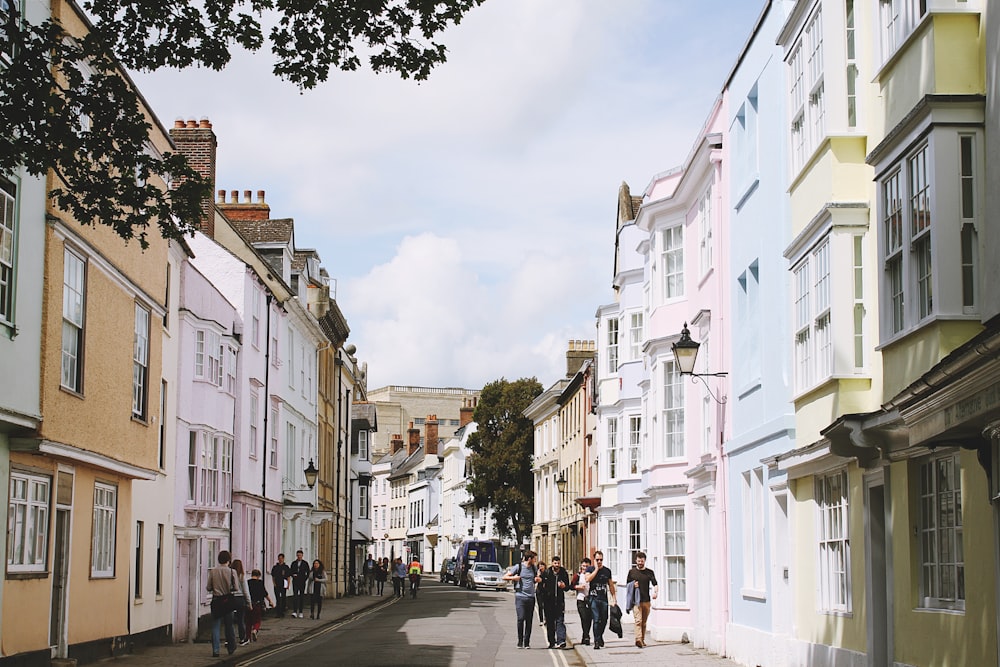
[
  {"x": 624, "y": 651},
  {"x": 273, "y": 632}
]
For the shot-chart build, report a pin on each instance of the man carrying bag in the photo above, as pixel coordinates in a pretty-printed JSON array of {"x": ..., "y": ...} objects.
[{"x": 222, "y": 584}]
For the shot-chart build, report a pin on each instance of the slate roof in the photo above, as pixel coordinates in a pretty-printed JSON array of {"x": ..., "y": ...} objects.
[{"x": 277, "y": 230}]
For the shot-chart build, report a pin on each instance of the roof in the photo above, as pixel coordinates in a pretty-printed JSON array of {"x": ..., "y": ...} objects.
[
  {"x": 364, "y": 412},
  {"x": 275, "y": 230}
]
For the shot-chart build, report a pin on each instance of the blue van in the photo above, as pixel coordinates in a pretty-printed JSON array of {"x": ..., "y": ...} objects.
[{"x": 473, "y": 551}]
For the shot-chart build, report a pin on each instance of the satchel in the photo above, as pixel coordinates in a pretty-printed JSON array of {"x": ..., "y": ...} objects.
[{"x": 223, "y": 604}]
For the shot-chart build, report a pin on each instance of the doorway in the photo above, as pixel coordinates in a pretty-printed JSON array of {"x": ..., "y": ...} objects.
[{"x": 877, "y": 575}]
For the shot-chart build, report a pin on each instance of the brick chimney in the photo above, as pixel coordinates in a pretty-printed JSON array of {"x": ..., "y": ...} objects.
[
  {"x": 413, "y": 439},
  {"x": 431, "y": 435},
  {"x": 396, "y": 443},
  {"x": 245, "y": 209},
  {"x": 196, "y": 141},
  {"x": 465, "y": 412},
  {"x": 578, "y": 352}
]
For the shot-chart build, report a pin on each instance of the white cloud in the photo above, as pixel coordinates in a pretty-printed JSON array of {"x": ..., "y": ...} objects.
[{"x": 469, "y": 219}]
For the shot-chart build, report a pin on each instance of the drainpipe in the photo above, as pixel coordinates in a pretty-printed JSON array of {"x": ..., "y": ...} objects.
[
  {"x": 263, "y": 449},
  {"x": 338, "y": 364}
]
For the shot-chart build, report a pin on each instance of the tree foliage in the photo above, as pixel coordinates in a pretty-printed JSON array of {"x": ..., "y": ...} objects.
[
  {"x": 502, "y": 448},
  {"x": 65, "y": 104}
]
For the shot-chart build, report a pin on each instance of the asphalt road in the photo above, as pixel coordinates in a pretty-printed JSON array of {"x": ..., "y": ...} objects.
[{"x": 444, "y": 625}]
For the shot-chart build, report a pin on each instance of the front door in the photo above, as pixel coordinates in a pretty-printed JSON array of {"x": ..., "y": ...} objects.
[
  {"x": 182, "y": 603},
  {"x": 60, "y": 589},
  {"x": 877, "y": 575}
]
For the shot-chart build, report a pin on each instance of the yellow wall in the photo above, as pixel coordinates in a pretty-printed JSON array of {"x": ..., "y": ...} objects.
[
  {"x": 843, "y": 630},
  {"x": 819, "y": 408},
  {"x": 905, "y": 360},
  {"x": 939, "y": 638},
  {"x": 98, "y": 608},
  {"x": 837, "y": 173}
]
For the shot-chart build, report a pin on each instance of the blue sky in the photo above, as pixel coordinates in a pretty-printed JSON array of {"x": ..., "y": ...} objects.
[{"x": 469, "y": 220}]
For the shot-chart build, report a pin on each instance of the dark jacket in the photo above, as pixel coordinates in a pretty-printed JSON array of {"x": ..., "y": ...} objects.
[{"x": 554, "y": 596}]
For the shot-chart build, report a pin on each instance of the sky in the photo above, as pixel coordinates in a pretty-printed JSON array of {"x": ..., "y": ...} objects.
[{"x": 468, "y": 221}]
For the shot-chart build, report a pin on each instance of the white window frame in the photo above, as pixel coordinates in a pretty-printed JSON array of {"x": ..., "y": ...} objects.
[
  {"x": 807, "y": 87},
  {"x": 614, "y": 452},
  {"x": 273, "y": 453},
  {"x": 613, "y": 550},
  {"x": 28, "y": 514},
  {"x": 673, "y": 411},
  {"x": 906, "y": 242},
  {"x": 813, "y": 317},
  {"x": 291, "y": 357},
  {"x": 969, "y": 205},
  {"x": 635, "y": 335},
  {"x": 362, "y": 445},
  {"x": 73, "y": 320},
  {"x": 362, "y": 501},
  {"x": 255, "y": 312},
  {"x": 674, "y": 555},
  {"x": 672, "y": 261},
  {"x": 8, "y": 248},
  {"x": 635, "y": 541},
  {"x": 634, "y": 444},
  {"x": 834, "y": 544},
  {"x": 230, "y": 369},
  {"x": 140, "y": 363},
  {"x": 612, "y": 337},
  {"x": 704, "y": 218},
  {"x": 897, "y": 19},
  {"x": 254, "y": 417},
  {"x": 941, "y": 533},
  {"x": 104, "y": 531}
]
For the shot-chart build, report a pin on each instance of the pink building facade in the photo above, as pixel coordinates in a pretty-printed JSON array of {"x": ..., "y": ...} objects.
[{"x": 660, "y": 433}]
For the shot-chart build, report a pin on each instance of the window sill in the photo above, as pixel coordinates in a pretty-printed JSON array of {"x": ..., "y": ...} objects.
[
  {"x": 954, "y": 611},
  {"x": 920, "y": 326},
  {"x": 43, "y": 574},
  {"x": 833, "y": 612},
  {"x": 140, "y": 419},
  {"x": 753, "y": 594},
  {"x": 744, "y": 195},
  {"x": 71, "y": 392}
]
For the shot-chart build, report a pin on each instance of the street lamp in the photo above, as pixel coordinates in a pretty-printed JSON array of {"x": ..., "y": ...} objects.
[
  {"x": 685, "y": 355},
  {"x": 561, "y": 484},
  {"x": 311, "y": 472}
]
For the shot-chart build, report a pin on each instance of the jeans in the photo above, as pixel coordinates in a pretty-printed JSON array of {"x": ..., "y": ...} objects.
[
  {"x": 555, "y": 623},
  {"x": 524, "y": 605},
  {"x": 315, "y": 602},
  {"x": 226, "y": 618},
  {"x": 583, "y": 608},
  {"x": 280, "y": 597},
  {"x": 397, "y": 586},
  {"x": 298, "y": 595},
  {"x": 599, "y": 616}
]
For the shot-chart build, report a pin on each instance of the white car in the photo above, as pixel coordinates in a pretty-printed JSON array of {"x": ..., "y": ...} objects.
[{"x": 486, "y": 575}]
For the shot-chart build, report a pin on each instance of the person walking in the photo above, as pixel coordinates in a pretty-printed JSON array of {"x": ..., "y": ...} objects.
[
  {"x": 368, "y": 570},
  {"x": 222, "y": 584},
  {"x": 281, "y": 579},
  {"x": 643, "y": 578},
  {"x": 381, "y": 574},
  {"x": 398, "y": 578},
  {"x": 317, "y": 588},
  {"x": 582, "y": 588},
  {"x": 540, "y": 595},
  {"x": 414, "y": 570},
  {"x": 259, "y": 598},
  {"x": 555, "y": 583},
  {"x": 300, "y": 574},
  {"x": 599, "y": 578},
  {"x": 242, "y": 594},
  {"x": 525, "y": 577}
]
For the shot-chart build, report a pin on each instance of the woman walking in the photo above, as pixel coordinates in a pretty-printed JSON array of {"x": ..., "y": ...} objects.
[
  {"x": 258, "y": 595},
  {"x": 540, "y": 594},
  {"x": 242, "y": 595},
  {"x": 317, "y": 587},
  {"x": 381, "y": 574}
]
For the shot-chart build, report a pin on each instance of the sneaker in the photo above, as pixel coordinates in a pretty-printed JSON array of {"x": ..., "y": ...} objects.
[
  {"x": 561, "y": 645},
  {"x": 245, "y": 642},
  {"x": 541, "y": 623},
  {"x": 551, "y": 646},
  {"x": 586, "y": 641},
  {"x": 520, "y": 645},
  {"x": 527, "y": 646}
]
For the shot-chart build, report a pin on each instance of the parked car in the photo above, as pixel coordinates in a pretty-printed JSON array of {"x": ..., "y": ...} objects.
[
  {"x": 448, "y": 570},
  {"x": 470, "y": 552},
  {"x": 486, "y": 575}
]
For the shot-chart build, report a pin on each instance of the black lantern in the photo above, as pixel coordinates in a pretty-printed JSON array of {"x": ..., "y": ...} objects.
[{"x": 311, "y": 474}]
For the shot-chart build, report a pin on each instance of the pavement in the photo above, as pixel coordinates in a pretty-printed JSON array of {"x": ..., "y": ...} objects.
[{"x": 276, "y": 633}]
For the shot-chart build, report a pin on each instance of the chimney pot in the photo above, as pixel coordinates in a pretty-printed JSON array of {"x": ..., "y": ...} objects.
[
  {"x": 235, "y": 196},
  {"x": 260, "y": 196},
  {"x": 246, "y": 197},
  {"x": 178, "y": 122},
  {"x": 205, "y": 123},
  {"x": 222, "y": 196},
  {"x": 192, "y": 122}
]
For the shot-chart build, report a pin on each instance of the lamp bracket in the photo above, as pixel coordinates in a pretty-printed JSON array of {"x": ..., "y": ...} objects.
[{"x": 721, "y": 400}]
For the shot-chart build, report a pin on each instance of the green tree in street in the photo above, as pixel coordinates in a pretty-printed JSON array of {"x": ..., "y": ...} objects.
[
  {"x": 502, "y": 448},
  {"x": 66, "y": 105}
]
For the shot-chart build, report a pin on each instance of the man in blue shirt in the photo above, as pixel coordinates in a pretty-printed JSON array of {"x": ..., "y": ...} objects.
[{"x": 525, "y": 576}]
